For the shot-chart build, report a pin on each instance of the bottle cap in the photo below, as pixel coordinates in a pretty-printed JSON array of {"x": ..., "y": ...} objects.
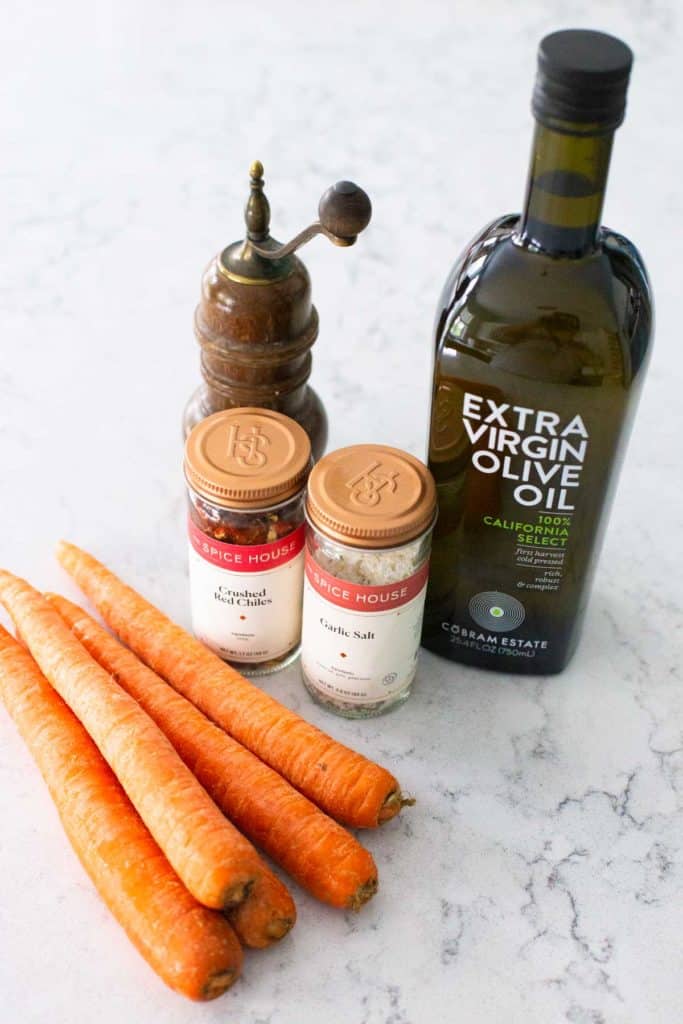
[
  {"x": 247, "y": 458},
  {"x": 371, "y": 496},
  {"x": 581, "y": 81}
]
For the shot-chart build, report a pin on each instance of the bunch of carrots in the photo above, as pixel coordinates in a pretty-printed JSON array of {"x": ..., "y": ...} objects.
[{"x": 165, "y": 763}]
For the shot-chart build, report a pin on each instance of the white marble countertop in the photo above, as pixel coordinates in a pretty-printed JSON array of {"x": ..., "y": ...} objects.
[{"x": 538, "y": 879}]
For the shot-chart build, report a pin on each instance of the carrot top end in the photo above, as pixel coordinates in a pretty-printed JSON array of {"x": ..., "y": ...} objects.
[
  {"x": 364, "y": 893},
  {"x": 392, "y": 805},
  {"x": 218, "y": 983}
]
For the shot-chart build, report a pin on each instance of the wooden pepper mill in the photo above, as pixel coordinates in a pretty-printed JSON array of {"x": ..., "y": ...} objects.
[{"x": 255, "y": 322}]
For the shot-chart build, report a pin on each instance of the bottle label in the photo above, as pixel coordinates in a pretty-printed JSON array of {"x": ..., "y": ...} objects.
[
  {"x": 246, "y": 598},
  {"x": 536, "y": 459},
  {"x": 536, "y": 451},
  {"x": 360, "y": 643},
  {"x": 518, "y": 499}
]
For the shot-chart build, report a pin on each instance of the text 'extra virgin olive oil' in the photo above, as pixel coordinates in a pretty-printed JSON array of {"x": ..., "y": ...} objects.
[{"x": 542, "y": 341}]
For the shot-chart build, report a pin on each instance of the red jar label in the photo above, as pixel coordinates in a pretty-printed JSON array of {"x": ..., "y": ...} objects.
[
  {"x": 360, "y": 643},
  {"x": 362, "y": 598},
  {"x": 246, "y": 557},
  {"x": 246, "y": 598}
]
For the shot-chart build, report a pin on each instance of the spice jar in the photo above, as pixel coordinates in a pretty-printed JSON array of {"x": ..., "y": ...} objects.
[
  {"x": 246, "y": 470},
  {"x": 370, "y": 511}
]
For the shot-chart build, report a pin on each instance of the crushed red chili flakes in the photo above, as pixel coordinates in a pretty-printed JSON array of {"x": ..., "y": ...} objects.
[{"x": 245, "y": 527}]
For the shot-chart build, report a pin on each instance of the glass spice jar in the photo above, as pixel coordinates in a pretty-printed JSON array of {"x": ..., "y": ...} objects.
[
  {"x": 246, "y": 470},
  {"x": 370, "y": 511}
]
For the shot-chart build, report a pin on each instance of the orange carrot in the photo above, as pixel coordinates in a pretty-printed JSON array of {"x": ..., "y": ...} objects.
[
  {"x": 216, "y": 863},
  {"x": 266, "y": 915},
  {"x": 351, "y": 788},
  {"x": 321, "y": 855},
  {"x": 194, "y": 950}
]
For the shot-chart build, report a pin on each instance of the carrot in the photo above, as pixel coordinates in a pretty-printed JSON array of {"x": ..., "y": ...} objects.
[
  {"x": 266, "y": 915},
  {"x": 351, "y": 788},
  {"x": 216, "y": 863},
  {"x": 193, "y": 950},
  {"x": 268, "y": 912},
  {"x": 321, "y": 855}
]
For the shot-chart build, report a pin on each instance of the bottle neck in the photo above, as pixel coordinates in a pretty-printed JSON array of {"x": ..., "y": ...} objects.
[{"x": 565, "y": 191}]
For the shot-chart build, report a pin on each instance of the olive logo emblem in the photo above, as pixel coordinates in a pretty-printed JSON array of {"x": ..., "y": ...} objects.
[{"x": 496, "y": 611}]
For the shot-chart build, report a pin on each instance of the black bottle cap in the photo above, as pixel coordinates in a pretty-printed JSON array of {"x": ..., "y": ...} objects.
[{"x": 581, "y": 81}]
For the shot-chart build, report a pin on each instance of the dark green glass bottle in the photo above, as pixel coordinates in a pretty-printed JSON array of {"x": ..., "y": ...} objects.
[{"x": 542, "y": 342}]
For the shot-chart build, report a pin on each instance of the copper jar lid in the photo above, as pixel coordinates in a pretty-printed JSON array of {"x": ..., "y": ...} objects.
[
  {"x": 247, "y": 457},
  {"x": 371, "y": 496}
]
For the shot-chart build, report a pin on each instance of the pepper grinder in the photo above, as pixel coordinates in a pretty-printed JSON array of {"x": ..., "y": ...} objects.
[{"x": 255, "y": 322}]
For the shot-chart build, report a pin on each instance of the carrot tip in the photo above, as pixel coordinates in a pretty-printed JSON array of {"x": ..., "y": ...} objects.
[
  {"x": 236, "y": 894},
  {"x": 393, "y": 804},
  {"x": 217, "y": 984},
  {"x": 364, "y": 893},
  {"x": 278, "y": 929}
]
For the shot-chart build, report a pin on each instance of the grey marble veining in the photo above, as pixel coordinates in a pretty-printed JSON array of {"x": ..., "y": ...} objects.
[{"x": 539, "y": 877}]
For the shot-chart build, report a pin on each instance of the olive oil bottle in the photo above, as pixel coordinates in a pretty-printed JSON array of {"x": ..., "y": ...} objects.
[{"x": 542, "y": 342}]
